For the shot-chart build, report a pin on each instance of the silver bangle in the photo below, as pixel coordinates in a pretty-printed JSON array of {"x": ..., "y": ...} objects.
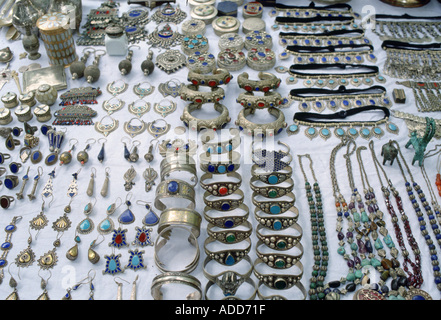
[
  {"x": 229, "y": 282},
  {"x": 273, "y": 177},
  {"x": 279, "y": 222},
  {"x": 230, "y": 236},
  {"x": 212, "y": 145},
  {"x": 218, "y": 77},
  {"x": 276, "y": 280},
  {"x": 257, "y": 129},
  {"x": 209, "y": 165},
  {"x": 278, "y": 296},
  {"x": 173, "y": 190},
  {"x": 267, "y": 81},
  {"x": 229, "y": 256},
  {"x": 274, "y": 207},
  {"x": 272, "y": 191},
  {"x": 222, "y": 203},
  {"x": 162, "y": 240},
  {"x": 216, "y": 277},
  {"x": 196, "y": 124},
  {"x": 179, "y": 278},
  {"x": 227, "y": 221},
  {"x": 191, "y": 93},
  {"x": 221, "y": 188},
  {"x": 271, "y": 99},
  {"x": 180, "y": 217},
  {"x": 277, "y": 240},
  {"x": 173, "y": 163},
  {"x": 279, "y": 259}
]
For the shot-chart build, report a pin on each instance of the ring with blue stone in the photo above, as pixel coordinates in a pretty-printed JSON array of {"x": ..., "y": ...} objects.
[
  {"x": 277, "y": 223},
  {"x": 230, "y": 220},
  {"x": 230, "y": 255},
  {"x": 278, "y": 259},
  {"x": 234, "y": 201},
  {"x": 11, "y": 181},
  {"x": 274, "y": 207},
  {"x": 174, "y": 190},
  {"x": 280, "y": 240}
]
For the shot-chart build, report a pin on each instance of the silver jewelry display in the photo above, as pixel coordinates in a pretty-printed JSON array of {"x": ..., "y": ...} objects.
[
  {"x": 164, "y": 37},
  {"x": 170, "y": 88},
  {"x": 169, "y": 13},
  {"x": 157, "y": 131}
]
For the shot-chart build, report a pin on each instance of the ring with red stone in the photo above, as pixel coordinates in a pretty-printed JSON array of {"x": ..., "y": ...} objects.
[
  {"x": 268, "y": 100},
  {"x": 191, "y": 93},
  {"x": 267, "y": 81},
  {"x": 221, "y": 185},
  {"x": 5, "y": 201},
  {"x": 219, "y": 76}
]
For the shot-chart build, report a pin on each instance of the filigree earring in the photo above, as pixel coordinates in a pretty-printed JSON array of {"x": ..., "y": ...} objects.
[{"x": 101, "y": 154}]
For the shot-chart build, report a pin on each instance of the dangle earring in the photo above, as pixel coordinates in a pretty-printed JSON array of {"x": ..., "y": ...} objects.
[
  {"x": 66, "y": 156},
  {"x": 105, "y": 187},
  {"x": 106, "y": 226},
  {"x": 101, "y": 153},
  {"x": 92, "y": 72},
  {"x": 119, "y": 295},
  {"x": 55, "y": 138},
  {"x": 13, "y": 284},
  {"x": 92, "y": 255},
  {"x": 43, "y": 286},
  {"x": 68, "y": 295},
  {"x": 31, "y": 196},
  {"x": 48, "y": 189},
  {"x": 86, "y": 226},
  {"x": 83, "y": 156},
  {"x": 127, "y": 217},
  {"x": 147, "y": 66},
  {"x": 77, "y": 67},
  {"x": 126, "y": 150},
  {"x": 149, "y": 156},
  {"x": 133, "y": 157},
  {"x": 91, "y": 186},
  {"x": 149, "y": 175},
  {"x": 151, "y": 218},
  {"x": 125, "y": 66},
  {"x": 26, "y": 257},
  {"x": 72, "y": 253},
  {"x": 129, "y": 176}
]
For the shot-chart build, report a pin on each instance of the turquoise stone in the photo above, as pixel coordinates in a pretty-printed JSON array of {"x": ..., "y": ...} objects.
[
  {"x": 105, "y": 225},
  {"x": 358, "y": 274},
  {"x": 293, "y": 128},
  {"x": 364, "y": 217},
  {"x": 378, "y": 244},
  {"x": 135, "y": 260},
  {"x": 311, "y": 131},
  {"x": 375, "y": 262},
  {"x": 378, "y": 131},
  {"x": 221, "y": 169},
  {"x": 353, "y": 131},
  {"x": 388, "y": 241},
  {"x": 356, "y": 217},
  {"x": 365, "y": 132},
  {"x": 341, "y": 251},
  {"x": 273, "y": 179},
  {"x": 229, "y": 261},
  {"x": 277, "y": 225},
  {"x": 365, "y": 262},
  {"x": 275, "y": 209},
  {"x": 85, "y": 225},
  {"x": 392, "y": 127},
  {"x": 340, "y": 132},
  {"x": 112, "y": 265},
  {"x": 350, "y": 276},
  {"x": 325, "y": 132},
  {"x": 354, "y": 247}
]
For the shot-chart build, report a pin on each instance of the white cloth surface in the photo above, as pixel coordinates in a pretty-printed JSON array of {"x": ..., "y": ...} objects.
[{"x": 67, "y": 273}]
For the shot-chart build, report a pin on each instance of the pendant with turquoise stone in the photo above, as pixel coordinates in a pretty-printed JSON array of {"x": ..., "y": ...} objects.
[
  {"x": 136, "y": 260},
  {"x": 113, "y": 265},
  {"x": 86, "y": 226}
]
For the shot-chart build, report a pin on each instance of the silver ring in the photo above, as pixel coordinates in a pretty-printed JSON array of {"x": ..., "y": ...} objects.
[
  {"x": 191, "y": 93},
  {"x": 267, "y": 81},
  {"x": 5, "y": 201},
  {"x": 173, "y": 190},
  {"x": 196, "y": 124},
  {"x": 261, "y": 130},
  {"x": 176, "y": 277},
  {"x": 11, "y": 181}
]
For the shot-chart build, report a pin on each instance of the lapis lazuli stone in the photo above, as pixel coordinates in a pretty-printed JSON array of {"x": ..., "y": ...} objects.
[
  {"x": 10, "y": 228},
  {"x": 151, "y": 218},
  {"x": 6, "y": 245},
  {"x": 173, "y": 186},
  {"x": 229, "y": 261},
  {"x": 126, "y": 217},
  {"x": 228, "y": 223},
  {"x": 9, "y": 184},
  {"x": 225, "y": 206}
]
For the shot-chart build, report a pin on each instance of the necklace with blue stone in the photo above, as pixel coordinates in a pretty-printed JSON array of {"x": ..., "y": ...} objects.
[
  {"x": 7, "y": 244},
  {"x": 143, "y": 237},
  {"x": 136, "y": 260}
]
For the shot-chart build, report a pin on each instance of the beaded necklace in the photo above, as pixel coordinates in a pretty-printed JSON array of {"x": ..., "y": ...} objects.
[
  {"x": 355, "y": 273},
  {"x": 318, "y": 230},
  {"x": 391, "y": 267},
  {"x": 415, "y": 278},
  {"x": 427, "y": 208}
]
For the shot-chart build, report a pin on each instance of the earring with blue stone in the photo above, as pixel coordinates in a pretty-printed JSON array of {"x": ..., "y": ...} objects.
[
  {"x": 106, "y": 226},
  {"x": 56, "y": 139},
  {"x": 101, "y": 153},
  {"x": 126, "y": 150},
  {"x": 127, "y": 217},
  {"x": 86, "y": 226},
  {"x": 151, "y": 218}
]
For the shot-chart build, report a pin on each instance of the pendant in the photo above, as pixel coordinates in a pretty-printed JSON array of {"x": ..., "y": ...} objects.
[
  {"x": 39, "y": 222},
  {"x": 48, "y": 260},
  {"x": 119, "y": 238},
  {"x": 101, "y": 154},
  {"x": 133, "y": 130},
  {"x": 25, "y": 258},
  {"x": 48, "y": 188},
  {"x": 129, "y": 176},
  {"x": 72, "y": 191},
  {"x": 171, "y": 61},
  {"x": 113, "y": 265},
  {"x": 92, "y": 255},
  {"x": 151, "y": 218},
  {"x": 62, "y": 224},
  {"x": 136, "y": 260},
  {"x": 143, "y": 237},
  {"x": 72, "y": 253},
  {"x": 36, "y": 156},
  {"x": 86, "y": 226}
]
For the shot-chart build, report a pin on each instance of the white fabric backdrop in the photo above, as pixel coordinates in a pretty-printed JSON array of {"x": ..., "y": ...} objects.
[{"x": 67, "y": 273}]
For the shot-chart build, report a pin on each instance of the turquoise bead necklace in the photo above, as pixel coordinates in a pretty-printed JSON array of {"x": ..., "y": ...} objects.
[{"x": 319, "y": 239}]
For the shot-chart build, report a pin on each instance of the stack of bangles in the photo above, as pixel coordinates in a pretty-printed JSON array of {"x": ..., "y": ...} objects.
[
  {"x": 198, "y": 97},
  {"x": 175, "y": 197},
  {"x": 227, "y": 267},
  {"x": 258, "y": 95},
  {"x": 279, "y": 249}
]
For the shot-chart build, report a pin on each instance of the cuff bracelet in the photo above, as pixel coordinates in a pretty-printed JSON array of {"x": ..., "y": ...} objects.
[
  {"x": 221, "y": 188},
  {"x": 230, "y": 236},
  {"x": 274, "y": 177},
  {"x": 278, "y": 259},
  {"x": 264, "y": 129},
  {"x": 191, "y": 93},
  {"x": 279, "y": 222},
  {"x": 219, "y": 76},
  {"x": 174, "y": 190},
  {"x": 231, "y": 282},
  {"x": 275, "y": 280},
  {"x": 272, "y": 191},
  {"x": 196, "y": 124},
  {"x": 267, "y": 81},
  {"x": 176, "y": 277},
  {"x": 277, "y": 240},
  {"x": 270, "y": 99},
  {"x": 180, "y": 217},
  {"x": 223, "y": 203},
  {"x": 229, "y": 256},
  {"x": 274, "y": 207},
  {"x": 227, "y": 221},
  {"x": 216, "y": 166}
]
